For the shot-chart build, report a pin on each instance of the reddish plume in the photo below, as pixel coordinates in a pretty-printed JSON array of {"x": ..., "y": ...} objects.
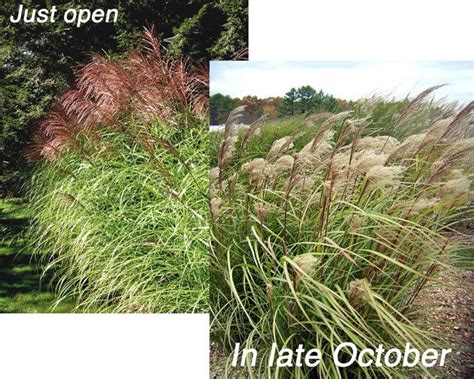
[{"x": 142, "y": 83}]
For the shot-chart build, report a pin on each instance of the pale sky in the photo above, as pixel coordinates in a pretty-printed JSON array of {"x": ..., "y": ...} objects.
[{"x": 345, "y": 79}]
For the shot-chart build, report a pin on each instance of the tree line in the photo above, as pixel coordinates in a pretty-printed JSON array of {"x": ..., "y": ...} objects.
[{"x": 296, "y": 101}]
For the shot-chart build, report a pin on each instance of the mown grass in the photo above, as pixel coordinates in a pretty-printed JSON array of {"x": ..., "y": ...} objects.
[
  {"x": 22, "y": 287},
  {"x": 333, "y": 241}
]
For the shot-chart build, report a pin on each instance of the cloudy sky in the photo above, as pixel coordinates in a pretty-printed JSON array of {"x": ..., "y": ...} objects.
[{"x": 346, "y": 80}]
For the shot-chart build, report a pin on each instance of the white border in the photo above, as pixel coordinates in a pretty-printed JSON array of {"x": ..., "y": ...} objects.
[
  {"x": 361, "y": 30},
  {"x": 87, "y": 346}
]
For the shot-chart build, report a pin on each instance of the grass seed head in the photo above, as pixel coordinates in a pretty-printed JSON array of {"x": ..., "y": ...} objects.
[
  {"x": 256, "y": 169},
  {"x": 455, "y": 191},
  {"x": 216, "y": 203},
  {"x": 306, "y": 263},
  {"x": 284, "y": 163},
  {"x": 384, "y": 176},
  {"x": 280, "y": 146},
  {"x": 378, "y": 144},
  {"x": 320, "y": 145},
  {"x": 367, "y": 159},
  {"x": 262, "y": 210},
  {"x": 214, "y": 175},
  {"x": 358, "y": 293}
]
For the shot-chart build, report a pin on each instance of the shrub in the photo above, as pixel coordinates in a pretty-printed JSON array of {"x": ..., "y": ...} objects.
[
  {"x": 119, "y": 196},
  {"x": 332, "y": 240}
]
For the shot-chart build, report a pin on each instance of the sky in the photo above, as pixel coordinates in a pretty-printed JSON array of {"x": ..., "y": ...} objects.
[{"x": 345, "y": 79}]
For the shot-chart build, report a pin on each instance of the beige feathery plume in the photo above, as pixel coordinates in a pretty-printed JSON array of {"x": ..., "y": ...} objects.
[
  {"x": 408, "y": 147},
  {"x": 230, "y": 137},
  {"x": 301, "y": 182},
  {"x": 343, "y": 170},
  {"x": 214, "y": 175},
  {"x": 230, "y": 181},
  {"x": 437, "y": 130},
  {"x": 455, "y": 174},
  {"x": 284, "y": 163},
  {"x": 354, "y": 221},
  {"x": 358, "y": 292},
  {"x": 415, "y": 102},
  {"x": 457, "y": 189},
  {"x": 320, "y": 147},
  {"x": 384, "y": 176},
  {"x": 423, "y": 204},
  {"x": 458, "y": 127},
  {"x": 378, "y": 144},
  {"x": 419, "y": 205},
  {"x": 306, "y": 263},
  {"x": 367, "y": 159},
  {"x": 322, "y": 133},
  {"x": 269, "y": 171},
  {"x": 340, "y": 171},
  {"x": 230, "y": 124},
  {"x": 280, "y": 146},
  {"x": 216, "y": 204},
  {"x": 253, "y": 129},
  {"x": 339, "y": 162},
  {"x": 228, "y": 149},
  {"x": 357, "y": 123},
  {"x": 456, "y": 154},
  {"x": 256, "y": 169},
  {"x": 262, "y": 210}
]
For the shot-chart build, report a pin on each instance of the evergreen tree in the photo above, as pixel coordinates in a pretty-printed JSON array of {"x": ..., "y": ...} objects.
[
  {"x": 288, "y": 104},
  {"x": 235, "y": 34},
  {"x": 329, "y": 103},
  {"x": 219, "y": 107},
  {"x": 306, "y": 98}
]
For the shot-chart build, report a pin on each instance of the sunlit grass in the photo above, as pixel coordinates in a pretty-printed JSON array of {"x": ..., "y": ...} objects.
[{"x": 122, "y": 235}]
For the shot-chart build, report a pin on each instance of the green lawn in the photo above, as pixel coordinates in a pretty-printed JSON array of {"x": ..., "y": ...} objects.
[{"x": 21, "y": 288}]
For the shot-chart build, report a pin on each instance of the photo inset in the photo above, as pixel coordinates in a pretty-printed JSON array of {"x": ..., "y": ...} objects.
[
  {"x": 341, "y": 219},
  {"x": 104, "y": 153}
]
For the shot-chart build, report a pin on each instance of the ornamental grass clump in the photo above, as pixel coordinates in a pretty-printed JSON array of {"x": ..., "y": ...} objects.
[
  {"x": 119, "y": 195},
  {"x": 333, "y": 242}
]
